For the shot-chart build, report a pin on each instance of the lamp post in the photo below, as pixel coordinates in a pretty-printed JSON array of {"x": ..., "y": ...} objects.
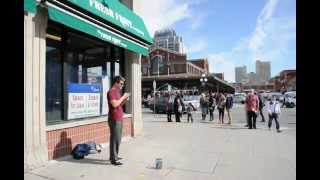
[{"x": 203, "y": 79}]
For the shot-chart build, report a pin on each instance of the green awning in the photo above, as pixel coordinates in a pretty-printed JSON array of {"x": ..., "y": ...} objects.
[
  {"x": 30, "y": 6},
  {"x": 71, "y": 20},
  {"x": 118, "y": 14}
]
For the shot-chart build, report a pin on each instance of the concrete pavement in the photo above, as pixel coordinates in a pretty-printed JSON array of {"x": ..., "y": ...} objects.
[{"x": 202, "y": 150}]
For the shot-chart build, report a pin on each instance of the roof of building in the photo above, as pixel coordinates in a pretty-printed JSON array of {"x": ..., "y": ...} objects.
[{"x": 168, "y": 50}]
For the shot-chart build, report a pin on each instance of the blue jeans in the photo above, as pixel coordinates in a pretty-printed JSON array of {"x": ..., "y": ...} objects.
[{"x": 274, "y": 117}]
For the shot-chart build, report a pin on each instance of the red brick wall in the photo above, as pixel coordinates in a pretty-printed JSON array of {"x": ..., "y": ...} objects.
[{"x": 62, "y": 141}]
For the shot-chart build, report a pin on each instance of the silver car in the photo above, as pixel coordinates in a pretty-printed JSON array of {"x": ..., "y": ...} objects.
[
  {"x": 194, "y": 100},
  {"x": 239, "y": 98}
]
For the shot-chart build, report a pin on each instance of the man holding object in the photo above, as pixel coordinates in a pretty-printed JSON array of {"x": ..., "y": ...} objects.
[{"x": 115, "y": 117}]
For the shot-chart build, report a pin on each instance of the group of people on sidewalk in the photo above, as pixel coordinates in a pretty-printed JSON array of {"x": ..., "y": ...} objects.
[
  {"x": 174, "y": 104},
  {"x": 254, "y": 106},
  {"x": 208, "y": 103}
]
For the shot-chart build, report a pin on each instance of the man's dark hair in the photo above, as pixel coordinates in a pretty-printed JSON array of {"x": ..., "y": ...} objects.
[{"x": 117, "y": 79}]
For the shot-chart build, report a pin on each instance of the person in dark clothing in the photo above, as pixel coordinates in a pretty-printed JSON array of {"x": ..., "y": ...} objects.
[
  {"x": 204, "y": 106},
  {"x": 221, "y": 106},
  {"x": 261, "y": 105},
  {"x": 229, "y": 104},
  {"x": 177, "y": 108},
  {"x": 212, "y": 105},
  {"x": 169, "y": 108}
]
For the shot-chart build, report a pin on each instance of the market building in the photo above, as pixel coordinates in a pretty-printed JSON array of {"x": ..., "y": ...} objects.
[{"x": 166, "y": 66}]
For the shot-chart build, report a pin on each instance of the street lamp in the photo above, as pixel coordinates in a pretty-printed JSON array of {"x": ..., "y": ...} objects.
[{"x": 203, "y": 79}]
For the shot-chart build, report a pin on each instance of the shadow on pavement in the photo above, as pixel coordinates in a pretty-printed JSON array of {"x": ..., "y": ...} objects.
[
  {"x": 90, "y": 161},
  {"x": 229, "y": 127}
]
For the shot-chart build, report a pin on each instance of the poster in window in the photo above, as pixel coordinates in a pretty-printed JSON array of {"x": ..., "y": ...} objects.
[{"x": 84, "y": 100}]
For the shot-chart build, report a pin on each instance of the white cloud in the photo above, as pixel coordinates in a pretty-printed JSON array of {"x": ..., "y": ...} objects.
[
  {"x": 196, "y": 47},
  {"x": 163, "y": 14},
  {"x": 197, "y": 20},
  {"x": 272, "y": 35},
  {"x": 270, "y": 41},
  {"x": 219, "y": 64},
  {"x": 259, "y": 35}
]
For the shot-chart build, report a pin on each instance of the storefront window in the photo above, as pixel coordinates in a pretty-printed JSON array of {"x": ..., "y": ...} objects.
[
  {"x": 79, "y": 71},
  {"x": 54, "y": 99}
]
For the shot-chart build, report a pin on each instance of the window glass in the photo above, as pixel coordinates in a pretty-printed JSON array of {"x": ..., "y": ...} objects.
[{"x": 75, "y": 61}]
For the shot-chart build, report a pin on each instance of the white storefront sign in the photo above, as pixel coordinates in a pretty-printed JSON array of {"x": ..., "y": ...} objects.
[{"x": 84, "y": 100}]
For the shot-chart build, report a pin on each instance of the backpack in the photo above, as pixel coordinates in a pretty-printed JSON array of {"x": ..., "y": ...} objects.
[{"x": 80, "y": 151}]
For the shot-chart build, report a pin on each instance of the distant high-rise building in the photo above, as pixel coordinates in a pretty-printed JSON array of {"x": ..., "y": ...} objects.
[
  {"x": 252, "y": 77},
  {"x": 241, "y": 74},
  {"x": 263, "y": 71},
  {"x": 168, "y": 39}
]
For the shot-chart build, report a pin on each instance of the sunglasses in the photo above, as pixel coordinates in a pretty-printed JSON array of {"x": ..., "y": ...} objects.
[{"x": 121, "y": 83}]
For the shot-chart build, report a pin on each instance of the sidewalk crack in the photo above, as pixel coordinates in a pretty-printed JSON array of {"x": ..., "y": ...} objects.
[
  {"x": 217, "y": 163},
  {"x": 46, "y": 177}
]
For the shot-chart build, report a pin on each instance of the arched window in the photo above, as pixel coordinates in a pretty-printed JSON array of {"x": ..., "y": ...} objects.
[{"x": 157, "y": 65}]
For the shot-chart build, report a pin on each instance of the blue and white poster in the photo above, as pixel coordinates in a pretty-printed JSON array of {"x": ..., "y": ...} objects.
[{"x": 84, "y": 100}]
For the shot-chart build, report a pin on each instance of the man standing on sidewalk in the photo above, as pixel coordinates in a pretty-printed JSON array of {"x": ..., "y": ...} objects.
[
  {"x": 115, "y": 117},
  {"x": 252, "y": 107}
]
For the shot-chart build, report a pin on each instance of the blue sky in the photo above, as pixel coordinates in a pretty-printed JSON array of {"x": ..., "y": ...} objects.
[{"x": 229, "y": 33}]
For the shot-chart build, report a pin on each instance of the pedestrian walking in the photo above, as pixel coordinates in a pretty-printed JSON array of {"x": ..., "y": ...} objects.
[
  {"x": 115, "y": 117},
  {"x": 274, "y": 111},
  {"x": 221, "y": 107},
  {"x": 212, "y": 105},
  {"x": 252, "y": 106},
  {"x": 261, "y": 105},
  {"x": 204, "y": 106},
  {"x": 177, "y": 108},
  {"x": 229, "y": 105},
  {"x": 169, "y": 107},
  {"x": 283, "y": 103},
  {"x": 246, "y": 112},
  {"x": 190, "y": 108}
]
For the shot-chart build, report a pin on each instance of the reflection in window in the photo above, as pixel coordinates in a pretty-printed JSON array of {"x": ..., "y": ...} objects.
[
  {"x": 116, "y": 69},
  {"x": 54, "y": 100},
  {"x": 75, "y": 59}
]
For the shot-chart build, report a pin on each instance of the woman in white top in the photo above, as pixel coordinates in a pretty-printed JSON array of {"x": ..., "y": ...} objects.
[{"x": 274, "y": 112}]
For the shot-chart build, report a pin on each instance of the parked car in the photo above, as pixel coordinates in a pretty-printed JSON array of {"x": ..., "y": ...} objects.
[
  {"x": 278, "y": 95},
  {"x": 239, "y": 98},
  {"x": 264, "y": 95},
  {"x": 290, "y": 99},
  {"x": 194, "y": 100},
  {"x": 160, "y": 105}
]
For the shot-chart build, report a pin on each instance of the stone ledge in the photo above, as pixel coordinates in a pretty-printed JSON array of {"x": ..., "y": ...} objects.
[{"x": 81, "y": 123}]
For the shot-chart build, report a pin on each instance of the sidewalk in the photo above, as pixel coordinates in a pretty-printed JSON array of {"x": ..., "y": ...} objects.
[{"x": 190, "y": 152}]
